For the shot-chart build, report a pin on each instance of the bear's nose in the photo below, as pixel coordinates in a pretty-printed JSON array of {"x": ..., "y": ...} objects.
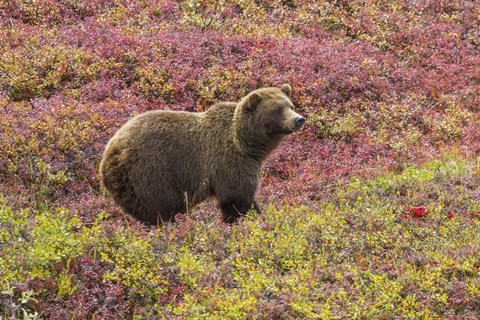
[{"x": 300, "y": 121}]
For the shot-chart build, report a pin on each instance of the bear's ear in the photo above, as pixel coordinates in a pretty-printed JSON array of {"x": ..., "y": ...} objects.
[
  {"x": 287, "y": 89},
  {"x": 252, "y": 100}
]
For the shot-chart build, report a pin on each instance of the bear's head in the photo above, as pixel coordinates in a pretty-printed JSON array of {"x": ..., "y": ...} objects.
[{"x": 264, "y": 117}]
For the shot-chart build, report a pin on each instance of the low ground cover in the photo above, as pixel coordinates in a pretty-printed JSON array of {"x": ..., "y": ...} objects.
[{"x": 372, "y": 211}]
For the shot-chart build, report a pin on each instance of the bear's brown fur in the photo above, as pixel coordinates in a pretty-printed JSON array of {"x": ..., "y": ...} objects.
[{"x": 161, "y": 163}]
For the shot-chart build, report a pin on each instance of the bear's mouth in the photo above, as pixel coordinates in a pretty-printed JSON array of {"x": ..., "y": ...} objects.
[{"x": 289, "y": 130}]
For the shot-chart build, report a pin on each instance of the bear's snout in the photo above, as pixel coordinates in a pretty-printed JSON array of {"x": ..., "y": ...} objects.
[
  {"x": 295, "y": 121},
  {"x": 299, "y": 121}
]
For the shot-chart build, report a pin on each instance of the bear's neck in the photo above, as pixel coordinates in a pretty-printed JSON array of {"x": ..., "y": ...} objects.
[{"x": 255, "y": 145}]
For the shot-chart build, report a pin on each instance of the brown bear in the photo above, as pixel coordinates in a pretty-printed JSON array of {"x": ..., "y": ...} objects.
[{"x": 161, "y": 163}]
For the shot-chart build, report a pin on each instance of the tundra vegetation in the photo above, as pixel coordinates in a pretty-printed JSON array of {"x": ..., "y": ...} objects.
[{"x": 371, "y": 212}]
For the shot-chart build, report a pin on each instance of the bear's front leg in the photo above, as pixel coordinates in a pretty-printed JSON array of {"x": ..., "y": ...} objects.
[{"x": 234, "y": 209}]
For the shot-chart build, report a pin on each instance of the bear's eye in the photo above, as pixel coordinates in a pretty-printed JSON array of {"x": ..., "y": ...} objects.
[{"x": 278, "y": 110}]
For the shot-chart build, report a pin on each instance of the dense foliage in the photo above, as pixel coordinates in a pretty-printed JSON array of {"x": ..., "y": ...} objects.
[{"x": 372, "y": 211}]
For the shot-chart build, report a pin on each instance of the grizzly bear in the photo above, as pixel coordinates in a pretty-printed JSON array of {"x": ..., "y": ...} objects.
[{"x": 161, "y": 163}]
